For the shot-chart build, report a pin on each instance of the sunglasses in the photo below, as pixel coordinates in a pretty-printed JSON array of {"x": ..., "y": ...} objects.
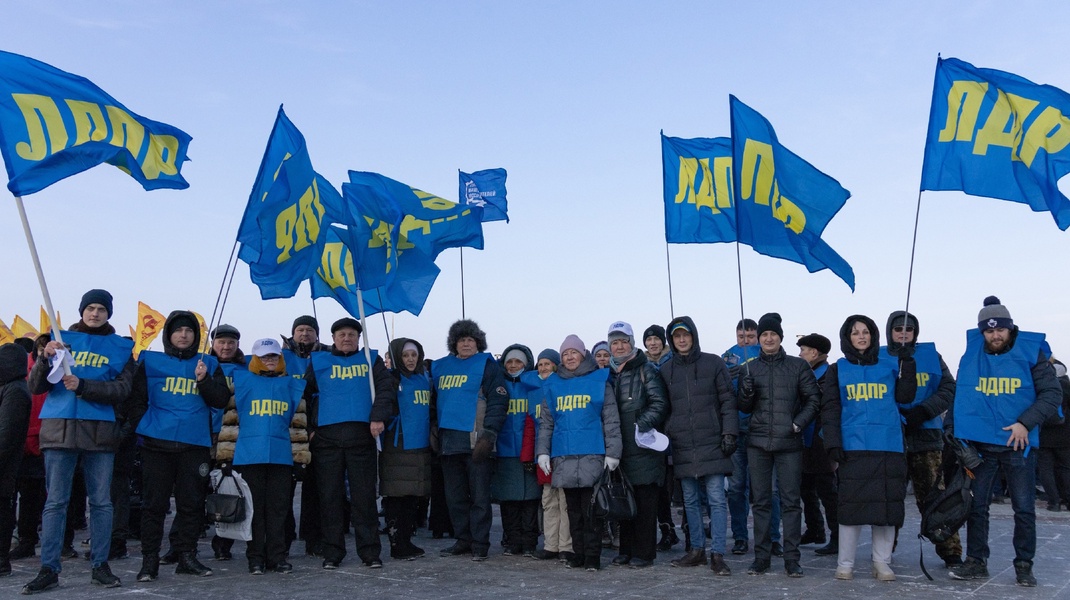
[{"x": 901, "y": 329}]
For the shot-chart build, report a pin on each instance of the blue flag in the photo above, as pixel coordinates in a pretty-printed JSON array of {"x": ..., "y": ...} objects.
[
  {"x": 373, "y": 234},
  {"x": 430, "y": 224},
  {"x": 998, "y": 135},
  {"x": 290, "y": 206},
  {"x": 487, "y": 189},
  {"x": 54, "y": 124},
  {"x": 784, "y": 203},
  {"x": 697, "y": 175},
  {"x": 406, "y": 291}
]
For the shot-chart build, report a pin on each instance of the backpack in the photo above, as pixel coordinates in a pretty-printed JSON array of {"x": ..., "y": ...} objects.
[{"x": 946, "y": 510}]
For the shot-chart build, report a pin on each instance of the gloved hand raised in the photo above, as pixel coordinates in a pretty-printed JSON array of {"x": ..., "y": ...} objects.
[{"x": 746, "y": 386}]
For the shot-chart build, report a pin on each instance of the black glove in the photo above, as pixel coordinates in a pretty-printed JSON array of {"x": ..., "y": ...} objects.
[
  {"x": 905, "y": 351},
  {"x": 746, "y": 385},
  {"x": 837, "y": 455},
  {"x": 916, "y": 416},
  {"x": 225, "y": 469},
  {"x": 484, "y": 445},
  {"x": 728, "y": 444}
]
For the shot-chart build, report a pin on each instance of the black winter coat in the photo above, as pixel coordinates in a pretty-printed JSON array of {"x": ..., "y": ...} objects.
[
  {"x": 785, "y": 395},
  {"x": 642, "y": 400},
  {"x": 403, "y": 472},
  {"x": 703, "y": 408},
  {"x": 15, "y": 407},
  {"x": 1058, "y": 436}
]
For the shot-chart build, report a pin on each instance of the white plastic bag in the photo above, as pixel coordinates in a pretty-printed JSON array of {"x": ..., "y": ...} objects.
[{"x": 229, "y": 485}]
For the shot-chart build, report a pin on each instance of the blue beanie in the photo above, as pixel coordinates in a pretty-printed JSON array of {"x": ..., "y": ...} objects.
[
  {"x": 551, "y": 355},
  {"x": 101, "y": 297}
]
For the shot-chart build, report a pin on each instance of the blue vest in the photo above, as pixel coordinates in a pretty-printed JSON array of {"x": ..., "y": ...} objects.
[
  {"x": 265, "y": 406},
  {"x": 228, "y": 372},
  {"x": 344, "y": 396},
  {"x": 295, "y": 365},
  {"x": 929, "y": 376},
  {"x": 97, "y": 358},
  {"x": 743, "y": 354},
  {"x": 992, "y": 391},
  {"x": 536, "y": 394},
  {"x": 511, "y": 437},
  {"x": 457, "y": 385},
  {"x": 869, "y": 418},
  {"x": 808, "y": 433},
  {"x": 412, "y": 426},
  {"x": 177, "y": 412},
  {"x": 576, "y": 406}
]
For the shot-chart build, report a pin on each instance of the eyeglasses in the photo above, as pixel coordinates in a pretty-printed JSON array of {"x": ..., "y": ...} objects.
[{"x": 901, "y": 329}]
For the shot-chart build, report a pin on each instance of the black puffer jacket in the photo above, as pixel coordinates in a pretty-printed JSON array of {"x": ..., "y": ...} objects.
[
  {"x": 785, "y": 394},
  {"x": 703, "y": 408},
  {"x": 15, "y": 407},
  {"x": 641, "y": 400},
  {"x": 919, "y": 439},
  {"x": 403, "y": 472}
]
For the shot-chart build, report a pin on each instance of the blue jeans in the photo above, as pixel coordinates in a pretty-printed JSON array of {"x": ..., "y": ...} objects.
[
  {"x": 713, "y": 485},
  {"x": 739, "y": 495},
  {"x": 1020, "y": 471},
  {"x": 59, "y": 472}
]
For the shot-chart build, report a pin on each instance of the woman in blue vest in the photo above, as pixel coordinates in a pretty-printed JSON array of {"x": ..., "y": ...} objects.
[
  {"x": 579, "y": 437},
  {"x": 405, "y": 464},
  {"x": 864, "y": 435},
  {"x": 170, "y": 399},
  {"x": 514, "y": 485},
  {"x": 265, "y": 400}
]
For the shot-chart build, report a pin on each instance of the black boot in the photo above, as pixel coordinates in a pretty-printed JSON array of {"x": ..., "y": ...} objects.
[
  {"x": 668, "y": 538},
  {"x": 150, "y": 567},
  {"x": 189, "y": 565}
]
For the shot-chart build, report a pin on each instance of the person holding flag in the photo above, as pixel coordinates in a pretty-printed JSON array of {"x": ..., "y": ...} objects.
[{"x": 79, "y": 424}]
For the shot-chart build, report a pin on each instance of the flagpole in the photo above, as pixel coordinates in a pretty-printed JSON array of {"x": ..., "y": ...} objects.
[
  {"x": 742, "y": 314},
  {"x": 668, "y": 271},
  {"x": 364, "y": 330},
  {"x": 913, "y": 248},
  {"x": 40, "y": 274},
  {"x": 389, "y": 334},
  {"x": 462, "y": 282}
]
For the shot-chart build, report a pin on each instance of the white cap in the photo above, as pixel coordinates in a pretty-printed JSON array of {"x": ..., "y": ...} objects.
[
  {"x": 620, "y": 327},
  {"x": 652, "y": 439},
  {"x": 266, "y": 346}
]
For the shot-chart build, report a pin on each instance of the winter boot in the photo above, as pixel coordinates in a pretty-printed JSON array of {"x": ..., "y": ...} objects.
[
  {"x": 189, "y": 565},
  {"x": 150, "y": 568},
  {"x": 668, "y": 537}
]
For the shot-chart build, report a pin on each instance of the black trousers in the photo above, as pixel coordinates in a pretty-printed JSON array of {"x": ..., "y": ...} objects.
[
  {"x": 788, "y": 468},
  {"x": 31, "y": 504},
  {"x": 467, "y": 487},
  {"x": 333, "y": 465},
  {"x": 586, "y": 530},
  {"x": 185, "y": 474},
  {"x": 401, "y": 516},
  {"x": 438, "y": 520},
  {"x": 310, "y": 498},
  {"x": 639, "y": 536},
  {"x": 1053, "y": 467},
  {"x": 120, "y": 492},
  {"x": 270, "y": 488},
  {"x": 818, "y": 490},
  {"x": 520, "y": 522},
  {"x": 665, "y": 497}
]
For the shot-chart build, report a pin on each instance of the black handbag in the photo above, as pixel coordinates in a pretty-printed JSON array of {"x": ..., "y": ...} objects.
[
  {"x": 225, "y": 508},
  {"x": 613, "y": 498}
]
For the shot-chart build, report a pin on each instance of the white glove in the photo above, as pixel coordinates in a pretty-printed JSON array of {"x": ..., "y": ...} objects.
[
  {"x": 544, "y": 463},
  {"x": 611, "y": 463}
]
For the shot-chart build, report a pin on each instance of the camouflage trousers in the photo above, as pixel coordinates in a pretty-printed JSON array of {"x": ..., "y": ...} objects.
[{"x": 926, "y": 474}]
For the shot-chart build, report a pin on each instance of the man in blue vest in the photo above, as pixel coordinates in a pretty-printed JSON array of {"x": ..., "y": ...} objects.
[
  {"x": 78, "y": 421},
  {"x": 343, "y": 420},
  {"x": 1006, "y": 389},
  {"x": 924, "y": 422},
  {"x": 469, "y": 402}
]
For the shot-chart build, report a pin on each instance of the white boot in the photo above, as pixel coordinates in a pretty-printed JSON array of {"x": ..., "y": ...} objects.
[{"x": 883, "y": 572}]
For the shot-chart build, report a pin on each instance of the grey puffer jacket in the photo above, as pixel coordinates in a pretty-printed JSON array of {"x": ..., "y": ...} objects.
[
  {"x": 641, "y": 400},
  {"x": 703, "y": 408},
  {"x": 580, "y": 470},
  {"x": 785, "y": 394}
]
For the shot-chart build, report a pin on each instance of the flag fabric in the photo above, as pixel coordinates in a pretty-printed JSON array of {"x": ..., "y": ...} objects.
[
  {"x": 697, "y": 178},
  {"x": 54, "y": 124},
  {"x": 998, "y": 135},
  {"x": 487, "y": 189},
  {"x": 149, "y": 325},
  {"x": 372, "y": 233},
  {"x": 288, "y": 209},
  {"x": 406, "y": 291},
  {"x": 206, "y": 342},
  {"x": 6, "y": 335},
  {"x": 431, "y": 224},
  {"x": 46, "y": 323},
  {"x": 22, "y": 328},
  {"x": 783, "y": 202}
]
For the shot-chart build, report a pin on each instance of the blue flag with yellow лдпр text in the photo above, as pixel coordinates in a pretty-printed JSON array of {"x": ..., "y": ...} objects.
[
  {"x": 998, "y": 135},
  {"x": 485, "y": 188},
  {"x": 783, "y": 203},
  {"x": 54, "y": 124},
  {"x": 697, "y": 176}
]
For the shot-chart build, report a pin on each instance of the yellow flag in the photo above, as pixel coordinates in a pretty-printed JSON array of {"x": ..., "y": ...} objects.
[
  {"x": 6, "y": 335},
  {"x": 149, "y": 325},
  {"x": 22, "y": 328},
  {"x": 46, "y": 323},
  {"x": 206, "y": 344}
]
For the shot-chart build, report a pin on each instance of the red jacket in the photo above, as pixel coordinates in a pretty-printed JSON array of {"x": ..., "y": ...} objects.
[{"x": 33, "y": 434}]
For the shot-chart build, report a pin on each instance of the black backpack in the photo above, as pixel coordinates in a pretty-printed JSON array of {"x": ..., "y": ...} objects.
[{"x": 946, "y": 510}]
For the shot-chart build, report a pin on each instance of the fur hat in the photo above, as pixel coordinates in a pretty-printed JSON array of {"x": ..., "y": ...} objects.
[
  {"x": 994, "y": 315},
  {"x": 770, "y": 322},
  {"x": 465, "y": 328}
]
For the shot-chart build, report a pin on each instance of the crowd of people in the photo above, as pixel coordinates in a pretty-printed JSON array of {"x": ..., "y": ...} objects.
[{"x": 796, "y": 441}]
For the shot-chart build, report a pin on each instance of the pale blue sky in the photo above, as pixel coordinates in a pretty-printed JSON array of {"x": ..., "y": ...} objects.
[{"x": 569, "y": 97}]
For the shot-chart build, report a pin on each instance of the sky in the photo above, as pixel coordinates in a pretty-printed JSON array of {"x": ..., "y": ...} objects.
[{"x": 570, "y": 98}]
